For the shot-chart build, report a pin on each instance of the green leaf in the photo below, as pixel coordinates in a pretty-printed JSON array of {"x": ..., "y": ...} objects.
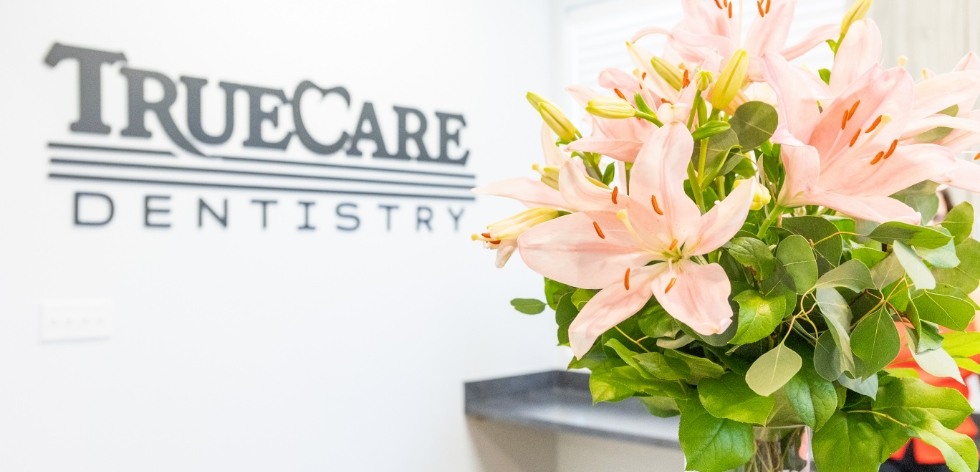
[
  {"x": 754, "y": 254},
  {"x": 837, "y": 313},
  {"x": 867, "y": 387},
  {"x": 948, "y": 310},
  {"x": 959, "y": 222},
  {"x": 582, "y": 296},
  {"x": 730, "y": 397},
  {"x": 943, "y": 257},
  {"x": 912, "y": 235},
  {"x": 713, "y": 444},
  {"x": 938, "y": 363},
  {"x": 914, "y": 267},
  {"x": 608, "y": 387},
  {"x": 609, "y": 174},
  {"x": 826, "y": 357},
  {"x": 965, "y": 276},
  {"x": 869, "y": 256},
  {"x": 876, "y": 342},
  {"x": 812, "y": 397},
  {"x": 923, "y": 198},
  {"x": 554, "y": 290},
  {"x": 824, "y": 75},
  {"x": 822, "y": 234},
  {"x": 528, "y": 306},
  {"x": 661, "y": 407},
  {"x": 655, "y": 322},
  {"x": 849, "y": 442},
  {"x": 853, "y": 275},
  {"x": 659, "y": 366},
  {"x": 959, "y": 450},
  {"x": 912, "y": 394},
  {"x": 887, "y": 271},
  {"x": 565, "y": 313},
  {"x": 773, "y": 369},
  {"x": 758, "y": 316},
  {"x": 754, "y": 122},
  {"x": 699, "y": 368},
  {"x": 965, "y": 363},
  {"x": 797, "y": 260},
  {"x": 962, "y": 344}
]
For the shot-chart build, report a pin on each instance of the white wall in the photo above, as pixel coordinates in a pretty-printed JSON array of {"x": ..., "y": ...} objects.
[{"x": 249, "y": 350}]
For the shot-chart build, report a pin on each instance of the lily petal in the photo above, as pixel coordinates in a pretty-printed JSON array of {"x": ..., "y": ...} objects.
[
  {"x": 659, "y": 173},
  {"x": 697, "y": 295},
  {"x": 872, "y": 208},
  {"x": 802, "y": 165},
  {"x": 611, "y": 306},
  {"x": 579, "y": 191},
  {"x": 798, "y": 98},
  {"x": 945, "y": 90},
  {"x": 552, "y": 155},
  {"x": 720, "y": 224},
  {"x": 966, "y": 176},
  {"x": 813, "y": 39},
  {"x": 570, "y": 250},
  {"x": 532, "y": 193},
  {"x": 860, "y": 51},
  {"x": 907, "y": 166}
]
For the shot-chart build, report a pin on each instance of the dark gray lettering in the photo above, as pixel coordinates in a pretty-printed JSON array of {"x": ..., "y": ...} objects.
[
  {"x": 110, "y": 209},
  {"x": 368, "y": 117},
  {"x": 387, "y": 209},
  {"x": 265, "y": 204},
  {"x": 306, "y": 216},
  {"x": 404, "y": 135},
  {"x": 222, "y": 218},
  {"x": 355, "y": 222},
  {"x": 447, "y": 136},
  {"x": 456, "y": 217},
  {"x": 148, "y": 210},
  {"x": 194, "y": 103},
  {"x": 423, "y": 215},
  {"x": 90, "y": 63},
  {"x": 304, "y": 135},
  {"x": 139, "y": 106},
  {"x": 256, "y": 116}
]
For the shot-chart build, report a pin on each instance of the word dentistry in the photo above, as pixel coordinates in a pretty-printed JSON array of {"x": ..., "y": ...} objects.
[
  {"x": 286, "y": 154},
  {"x": 165, "y": 211}
]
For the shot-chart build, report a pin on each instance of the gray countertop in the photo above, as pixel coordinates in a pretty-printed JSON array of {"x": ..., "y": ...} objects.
[{"x": 560, "y": 401}]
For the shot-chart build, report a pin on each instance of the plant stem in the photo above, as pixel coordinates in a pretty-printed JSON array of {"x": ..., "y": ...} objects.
[{"x": 774, "y": 215}]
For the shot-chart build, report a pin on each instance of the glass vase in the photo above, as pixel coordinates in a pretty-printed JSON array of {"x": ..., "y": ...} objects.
[{"x": 780, "y": 449}]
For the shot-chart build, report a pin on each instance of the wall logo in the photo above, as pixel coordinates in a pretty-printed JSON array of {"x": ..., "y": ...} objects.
[{"x": 289, "y": 157}]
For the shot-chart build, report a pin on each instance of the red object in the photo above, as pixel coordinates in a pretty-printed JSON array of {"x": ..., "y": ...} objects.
[{"x": 924, "y": 453}]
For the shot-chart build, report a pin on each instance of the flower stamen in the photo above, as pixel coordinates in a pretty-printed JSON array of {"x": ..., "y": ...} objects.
[
  {"x": 874, "y": 124},
  {"x": 656, "y": 206},
  {"x": 854, "y": 140},
  {"x": 598, "y": 230},
  {"x": 891, "y": 149},
  {"x": 670, "y": 285},
  {"x": 687, "y": 79},
  {"x": 718, "y": 4},
  {"x": 850, "y": 113},
  {"x": 673, "y": 245},
  {"x": 762, "y": 12},
  {"x": 729, "y": 10},
  {"x": 619, "y": 93},
  {"x": 626, "y": 279},
  {"x": 768, "y": 4},
  {"x": 878, "y": 157},
  {"x": 977, "y": 157},
  {"x": 615, "y": 194}
]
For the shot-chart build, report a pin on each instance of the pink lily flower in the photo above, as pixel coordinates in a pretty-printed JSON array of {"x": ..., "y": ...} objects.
[
  {"x": 847, "y": 153},
  {"x": 621, "y": 139},
  {"x": 572, "y": 191},
  {"x": 714, "y": 27},
  {"x": 658, "y": 224}
]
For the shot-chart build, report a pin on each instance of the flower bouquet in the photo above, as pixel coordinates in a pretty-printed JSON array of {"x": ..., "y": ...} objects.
[{"x": 749, "y": 243}]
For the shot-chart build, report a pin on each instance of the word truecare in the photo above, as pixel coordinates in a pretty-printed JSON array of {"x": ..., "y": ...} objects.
[{"x": 420, "y": 161}]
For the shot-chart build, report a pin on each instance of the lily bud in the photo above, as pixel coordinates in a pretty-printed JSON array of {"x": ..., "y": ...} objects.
[
  {"x": 554, "y": 118},
  {"x": 730, "y": 80},
  {"x": 760, "y": 194},
  {"x": 710, "y": 129},
  {"x": 511, "y": 228},
  {"x": 670, "y": 73},
  {"x": 704, "y": 79},
  {"x": 610, "y": 107},
  {"x": 857, "y": 12}
]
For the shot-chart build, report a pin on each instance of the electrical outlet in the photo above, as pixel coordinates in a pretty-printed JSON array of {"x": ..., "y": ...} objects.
[{"x": 69, "y": 320}]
